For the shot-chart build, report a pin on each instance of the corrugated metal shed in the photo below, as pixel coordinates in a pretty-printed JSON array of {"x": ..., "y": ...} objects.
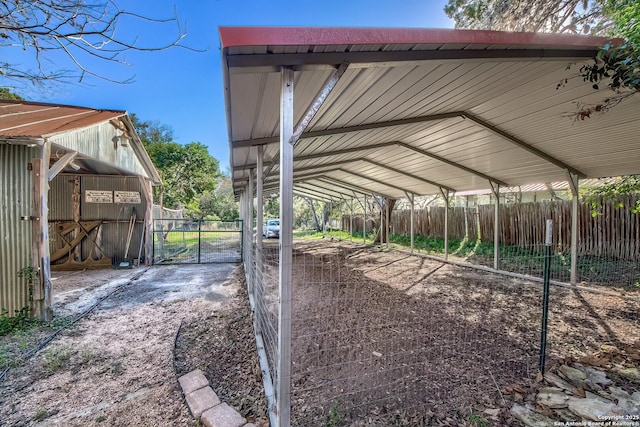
[
  {"x": 420, "y": 110},
  {"x": 114, "y": 218},
  {"x": 15, "y": 234},
  {"x": 104, "y": 140},
  {"x": 39, "y": 143},
  {"x": 32, "y": 119}
]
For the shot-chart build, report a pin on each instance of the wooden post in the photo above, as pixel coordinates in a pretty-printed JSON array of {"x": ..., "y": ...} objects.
[
  {"x": 283, "y": 380},
  {"x": 147, "y": 188},
  {"x": 42, "y": 288},
  {"x": 148, "y": 243},
  {"x": 76, "y": 214}
]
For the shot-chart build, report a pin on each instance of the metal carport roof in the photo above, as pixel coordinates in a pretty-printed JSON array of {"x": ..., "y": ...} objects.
[{"x": 390, "y": 111}]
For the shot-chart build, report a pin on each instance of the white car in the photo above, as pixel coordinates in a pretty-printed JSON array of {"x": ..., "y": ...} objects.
[{"x": 271, "y": 228}]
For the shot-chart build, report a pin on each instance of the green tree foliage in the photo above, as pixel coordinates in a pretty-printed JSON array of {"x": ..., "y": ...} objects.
[
  {"x": 187, "y": 171},
  {"x": 616, "y": 65},
  {"x": 272, "y": 207},
  {"x": 219, "y": 203},
  {"x": 304, "y": 213},
  {"x": 551, "y": 16},
  {"x": 6, "y": 93},
  {"x": 611, "y": 191}
]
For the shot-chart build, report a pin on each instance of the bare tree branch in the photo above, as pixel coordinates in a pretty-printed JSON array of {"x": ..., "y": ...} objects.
[{"x": 80, "y": 30}]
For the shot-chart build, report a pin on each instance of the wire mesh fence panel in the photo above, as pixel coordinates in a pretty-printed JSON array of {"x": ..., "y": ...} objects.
[
  {"x": 608, "y": 240},
  {"x": 220, "y": 242},
  {"x": 591, "y": 324},
  {"x": 266, "y": 303},
  {"x": 386, "y": 337},
  {"x": 196, "y": 241}
]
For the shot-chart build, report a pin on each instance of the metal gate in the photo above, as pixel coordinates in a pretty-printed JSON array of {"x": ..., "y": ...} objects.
[{"x": 199, "y": 241}]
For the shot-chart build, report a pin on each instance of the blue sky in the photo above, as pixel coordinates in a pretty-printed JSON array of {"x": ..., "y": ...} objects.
[{"x": 182, "y": 88}]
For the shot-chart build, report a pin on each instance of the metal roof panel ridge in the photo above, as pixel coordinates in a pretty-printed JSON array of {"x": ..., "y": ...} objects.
[{"x": 290, "y": 36}]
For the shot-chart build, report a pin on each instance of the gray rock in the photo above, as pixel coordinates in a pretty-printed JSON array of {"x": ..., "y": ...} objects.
[
  {"x": 591, "y": 386},
  {"x": 552, "y": 397},
  {"x": 630, "y": 404},
  {"x": 529, "y": 417},
  {"x": 632, "y": 374},
  {"x": 492, "y": 412},
  {"x": 556, "y": 381},
  {"x": 603, "y": 399},
  {"x": 593, "y": 409},
  {"x": 573, "y": 375},
  {"x": 596, "y": 376}
]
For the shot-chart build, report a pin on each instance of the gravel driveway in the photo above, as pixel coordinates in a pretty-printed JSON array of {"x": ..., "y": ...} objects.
[{"x": 115, "y": 366}]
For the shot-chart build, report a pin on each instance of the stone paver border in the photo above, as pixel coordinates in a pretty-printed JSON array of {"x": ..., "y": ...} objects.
[{"x": 205, "y": 404}]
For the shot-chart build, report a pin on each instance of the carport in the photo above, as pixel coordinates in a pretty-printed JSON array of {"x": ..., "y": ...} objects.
[{"x": 337, "y": 113}]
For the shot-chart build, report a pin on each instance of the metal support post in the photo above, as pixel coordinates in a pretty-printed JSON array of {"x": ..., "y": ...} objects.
[
  {"x": 200, "y": 241},
  {"x": 412, "y": 232},
  {"x": 545, "y": 294},
  {"x": 245, "y": 232},
  {"x": 250, "y": 213},
  {"x": 575, "y": 200},
  {"x": 386, "y": 224},
  {"x": 351, "y": 222},
  {"x": 341, "y": 218},
  {"x": 283, "y": 380},
  {"x": 364, "y": 222},
  {"x": 259, "y": 211},
  {"x": 380, "y": 204},
  {"x": 445, "y": 196},
  {"x": 496, "y": 226}
]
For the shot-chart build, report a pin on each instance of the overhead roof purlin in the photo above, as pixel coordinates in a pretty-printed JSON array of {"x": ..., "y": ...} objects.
[{"x": 499, "y": 136}]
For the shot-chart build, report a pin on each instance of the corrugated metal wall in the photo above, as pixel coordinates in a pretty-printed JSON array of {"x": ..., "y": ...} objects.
[
  {"x": 15, "y": 234},
  {"x": 114, "y": 217},
  {"x": 97, "y": 142}
]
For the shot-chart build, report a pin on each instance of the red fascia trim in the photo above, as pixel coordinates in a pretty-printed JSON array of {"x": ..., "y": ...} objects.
[{"x": 296, "y": 36}]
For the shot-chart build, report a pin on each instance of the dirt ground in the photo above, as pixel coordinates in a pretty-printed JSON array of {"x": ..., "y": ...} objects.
[
  {"x": 379, "y": 338},
  {"x": 386, "y": 338},
  {"x": 117, "y": 366}
]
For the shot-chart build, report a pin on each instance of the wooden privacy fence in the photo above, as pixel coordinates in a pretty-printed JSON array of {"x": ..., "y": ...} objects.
[{"x": 613, "y": 232}]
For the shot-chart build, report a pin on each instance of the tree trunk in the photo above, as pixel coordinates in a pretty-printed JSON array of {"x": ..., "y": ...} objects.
[
  {"x": 316, "y": 221},
  {"x": 384, "y": 227}
]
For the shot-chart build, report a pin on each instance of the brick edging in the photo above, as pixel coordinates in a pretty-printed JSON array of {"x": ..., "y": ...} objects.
[{"x": 205, "y": 404}]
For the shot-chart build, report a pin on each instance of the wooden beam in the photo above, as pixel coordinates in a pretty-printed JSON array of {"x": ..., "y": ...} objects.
[
  {"x": 61, "y": 164},
  {"x": 41, "y": 305}
]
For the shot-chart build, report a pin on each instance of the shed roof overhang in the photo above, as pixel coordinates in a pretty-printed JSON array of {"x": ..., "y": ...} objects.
[
  {"x": 393, "y": 111},
  {"x": 33, "y": 123}
]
